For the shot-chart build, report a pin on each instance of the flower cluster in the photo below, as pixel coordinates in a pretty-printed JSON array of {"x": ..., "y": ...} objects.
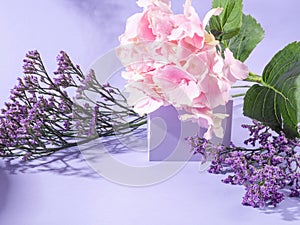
[
  {"x": 41, "y": 118},
  {"x": 271, "y": 166},
  {"x": 171, "y": 59}
]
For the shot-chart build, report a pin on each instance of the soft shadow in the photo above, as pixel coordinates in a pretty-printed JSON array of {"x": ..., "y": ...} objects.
[
  {"x": 4, "y": 188},
  {"x": 70, "y": 161},
  {"x": 67, "y": 162},
  {"x": 113, "y": 9},
  {"x": 289, "y": 209}
]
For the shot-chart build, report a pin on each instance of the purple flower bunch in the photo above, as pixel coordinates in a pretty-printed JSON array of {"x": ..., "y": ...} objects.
[
  {"x": 41, "y": 117},
  {"x": 268, "y": 168}
]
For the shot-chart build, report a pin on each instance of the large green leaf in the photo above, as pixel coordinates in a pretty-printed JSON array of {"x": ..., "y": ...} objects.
[
  {"x": 229, "y": 22},
  {"x": 249, "y": 36},
  {"x": 276, "y": 101}
]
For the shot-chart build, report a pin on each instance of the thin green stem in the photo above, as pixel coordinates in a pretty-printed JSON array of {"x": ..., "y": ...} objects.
[
  {"x": 241, "y": 86},
  {"x": 254, "y": 78},
  {"x": 238, "y": 95}
]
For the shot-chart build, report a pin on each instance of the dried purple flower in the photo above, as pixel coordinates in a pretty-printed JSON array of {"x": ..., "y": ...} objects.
[
  {"x": 41, "y": 118},
  {"x": 265, "y": 171}
]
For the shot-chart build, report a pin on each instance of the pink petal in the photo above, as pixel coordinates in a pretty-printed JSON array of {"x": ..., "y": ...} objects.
[
  {"x": 143, "y": 30},
  {"x": 130, "y": 33},
  {"x": 234, "y": 69}
]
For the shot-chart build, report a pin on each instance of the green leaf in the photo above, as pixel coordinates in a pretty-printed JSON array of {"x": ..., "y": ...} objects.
[
  {"x": 250, "y": 35},
  {"x": 276, "y": 101},
  {"x": 229, "y": 22}
]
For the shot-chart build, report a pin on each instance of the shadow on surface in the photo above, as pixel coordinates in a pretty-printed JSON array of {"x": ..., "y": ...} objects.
[
  {"x": 4, "y": 188},
  {"x": 289, "y": 209},
  {"x": 73, "y": 161},
  {"x": 66, "y": 162}
]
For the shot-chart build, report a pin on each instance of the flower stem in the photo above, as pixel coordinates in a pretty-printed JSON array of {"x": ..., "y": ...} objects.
[
  {"x": 241, "y": 86},
  {"x": 225, "y": 44},
  {"x": 238, "y": 95},
  {"x": 254, "y": 78}
]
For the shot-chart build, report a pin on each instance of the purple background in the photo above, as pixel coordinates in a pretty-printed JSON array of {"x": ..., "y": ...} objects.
[{"x": 63, "y": 189}]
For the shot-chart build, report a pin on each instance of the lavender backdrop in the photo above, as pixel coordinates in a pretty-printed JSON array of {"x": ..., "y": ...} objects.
[{"x": 63, "y": 189}]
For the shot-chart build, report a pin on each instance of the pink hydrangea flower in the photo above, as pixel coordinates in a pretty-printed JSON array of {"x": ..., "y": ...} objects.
[{"x": 171, "y": 59}]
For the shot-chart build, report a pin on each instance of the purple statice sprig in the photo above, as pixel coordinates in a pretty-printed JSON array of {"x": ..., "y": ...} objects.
[
  {"x": 268, "y": 169},
  {"x": 42, "y": 118}
]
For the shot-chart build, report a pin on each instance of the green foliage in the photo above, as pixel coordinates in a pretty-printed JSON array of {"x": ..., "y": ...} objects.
[
  {"x": 250, "y": 35},
  {"x": 276, "y": 101},
  {"x": 229, "y": 22}
]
